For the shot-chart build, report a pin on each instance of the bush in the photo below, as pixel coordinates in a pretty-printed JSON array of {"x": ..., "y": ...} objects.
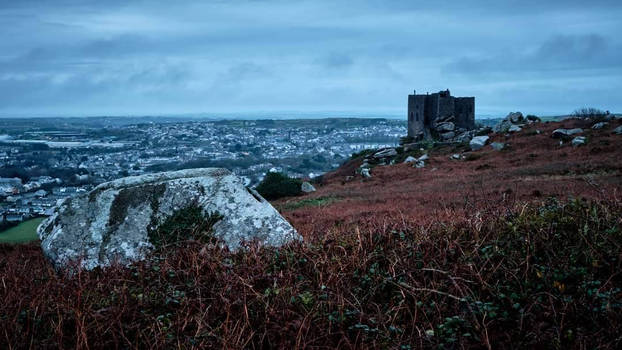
[
  {"x": 588, "y": 112},
  {"x": 277, "y": 185}
]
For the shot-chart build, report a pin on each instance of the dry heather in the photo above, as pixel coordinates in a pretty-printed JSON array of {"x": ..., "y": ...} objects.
[{"x": 513, "y": 249}]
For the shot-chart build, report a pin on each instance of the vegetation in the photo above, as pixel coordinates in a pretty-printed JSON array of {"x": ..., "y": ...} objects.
[
  {"x": 588, "y": 112},
  {"x": 189, "y": 223},
  {"x": 24, "y": 232},
  {"x": 524, "y": 255},
  {"x": 276, "y": 185},
  {"x": 538, "y": 276}
]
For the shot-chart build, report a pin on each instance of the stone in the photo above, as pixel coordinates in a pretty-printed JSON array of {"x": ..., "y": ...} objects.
[
  {"x": 410, "y": 159},
  {"x": 447, "y": 135},
  {"x": 365, "y": 172},
  {"x": 599, "y": 125},
  {"x": 565, "y": 134},
  {"x": 112, "y": 222},
  {"x": 387, "y": 152},
  {"x": 455, "y": 156},
  {"x": 307, "y": 187},
  {"x": 578, "y": 141},
  {"x": 445, "y": 126},
  {"x": 514, "y": 128},
  {"x": 497, "y": 146},
  {"x": 419, "y": 164},
  {"x": 618, "y": 130},
  {"x": 478, "y": 142},
  {"x": 423, "y": 157},
  {"x": 515, "y": 117}
]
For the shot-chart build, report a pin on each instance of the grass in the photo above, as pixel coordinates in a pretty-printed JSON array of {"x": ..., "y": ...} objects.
[
  {"x": 311, "y": 202},
  {"x": 22, "y": 233}
]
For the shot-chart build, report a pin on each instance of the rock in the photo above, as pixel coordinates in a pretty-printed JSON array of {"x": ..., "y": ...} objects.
[
  {"x": 514, "y": 128},
  {"x": 565, "y": 134},
  {"x": 455, "y": 156},
  {"x": 423, "y": 157},
  {"x": 599, "y": 125},
  {"x": 410, "y": 159},
  {"x": 419, "y": 164},
  {"x": 307, "y": 187},
  {"x": 533, "y": 119},
  {"x": 446, "y": 126},
  {"x": 478, "y": 142},
  {"x": 515, "y": 117},
  {"x": 618, "y": 130},
  {"x": 349, "y": 178},
  {"x": 446, "y": 118},
  {"x": 447, "y": 135},
  {"x": 387, "y": 152},
  {"x": 365, "y": 172},
  {"x": 497, "y": 146},
  {"x": 578, "y": 141},
  {"x": 112, "y": 222}
]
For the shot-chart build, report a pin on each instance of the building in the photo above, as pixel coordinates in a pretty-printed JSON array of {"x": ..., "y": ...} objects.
[{"x": 424, "y": 111}]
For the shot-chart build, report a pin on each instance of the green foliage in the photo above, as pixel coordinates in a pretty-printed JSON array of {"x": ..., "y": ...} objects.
[
  {"x": 278, "y": 185},
  {"x": 312, "y": 202},
  {"x": 24, "y": 232},
  {"x": 187, "y": 223}
]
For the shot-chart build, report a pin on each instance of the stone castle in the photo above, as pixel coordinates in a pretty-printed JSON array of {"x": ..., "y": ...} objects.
[{"x": 427, "y": 112}]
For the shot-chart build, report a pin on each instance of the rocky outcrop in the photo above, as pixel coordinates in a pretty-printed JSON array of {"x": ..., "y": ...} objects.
[
  {"x": 112, "y": 222},
  {"x": 578, "y": 141},
  {"x": 618, "y": 130},
  {"x": 478, "y": 142},
  {"x": 566, "y": 134},
  {"x": 307, "y": 187}
]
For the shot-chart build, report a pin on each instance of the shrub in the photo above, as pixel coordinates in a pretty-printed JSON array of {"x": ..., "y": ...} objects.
[
  {"x": 187, "y": 223},
  {"x": 277, "y": 185},
  {"x": 588, "y": 112}
]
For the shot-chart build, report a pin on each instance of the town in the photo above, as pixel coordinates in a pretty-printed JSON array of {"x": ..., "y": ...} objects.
[{"x": 44, "y": 160}]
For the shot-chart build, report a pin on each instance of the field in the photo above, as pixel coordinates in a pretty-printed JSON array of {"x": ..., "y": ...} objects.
[
  {"x": 24, "y": 232},
  {"x": 520, "y": 248}
]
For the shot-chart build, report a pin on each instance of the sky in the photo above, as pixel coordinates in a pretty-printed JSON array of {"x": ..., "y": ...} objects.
[{"x": 127, "y": 57}]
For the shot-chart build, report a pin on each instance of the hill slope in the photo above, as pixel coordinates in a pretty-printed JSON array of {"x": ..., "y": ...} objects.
[{"x": 518, "y": 248}]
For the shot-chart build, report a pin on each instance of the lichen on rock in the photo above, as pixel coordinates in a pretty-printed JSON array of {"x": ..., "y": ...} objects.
[{"x": 113, "y": 222}]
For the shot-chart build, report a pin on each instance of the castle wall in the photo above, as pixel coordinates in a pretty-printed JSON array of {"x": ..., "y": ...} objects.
[
  {"x": 416, "y": 116},
  {"x": 423, "y": 110},
  {"x": 465, "y": 112}
]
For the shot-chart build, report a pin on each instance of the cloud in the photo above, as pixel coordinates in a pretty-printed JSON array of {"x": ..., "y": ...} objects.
[{"x": 98, "y": 57}]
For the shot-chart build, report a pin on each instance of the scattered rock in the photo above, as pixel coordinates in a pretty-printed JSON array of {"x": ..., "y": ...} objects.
[
  {"x": 447, "y": 135},
  {"x": 387, "y": 152},
  {"x": 365, "y": 172},
  {"x": 455, "y": 156},
  {"x": 533, "y": 119},
  {"x": 565, "y": 134},
  {"x": 112, "y": 222},
  {"x": 618, "y": 130},
  {"x": 423, "y": 157},
  {"x": 445, "y": 126},
  {"x": 307, "y": 187},
  {"x": 599, "y": 125},
  {"x": 514, "y": 128},
  {"x": 419, "y": 164},
  {"x": 410, "y": 159},
  {"x": 478, "y": 142},
  {"x": 497, "y": 146},
  {"x": 515, "y": 117},
  {"x": 578, "y": 141}
]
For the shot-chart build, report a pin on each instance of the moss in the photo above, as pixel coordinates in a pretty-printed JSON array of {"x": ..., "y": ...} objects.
[
  {"x": 132, "y": 197},
  {"x": 187, "y": 223}
]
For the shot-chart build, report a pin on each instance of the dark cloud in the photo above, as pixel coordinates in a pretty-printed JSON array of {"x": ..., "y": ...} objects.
[{"x": 98, "y": 57}]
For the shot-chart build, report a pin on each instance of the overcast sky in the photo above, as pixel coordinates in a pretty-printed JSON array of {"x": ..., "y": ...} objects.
[{"x": 115, "y": 57}]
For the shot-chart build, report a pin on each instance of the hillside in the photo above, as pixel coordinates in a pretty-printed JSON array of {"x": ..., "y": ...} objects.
[{"x": 518, "y": 248}]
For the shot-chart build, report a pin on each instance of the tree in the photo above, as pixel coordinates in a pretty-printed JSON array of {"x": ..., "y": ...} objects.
[{"x": 277, "y": 185}]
